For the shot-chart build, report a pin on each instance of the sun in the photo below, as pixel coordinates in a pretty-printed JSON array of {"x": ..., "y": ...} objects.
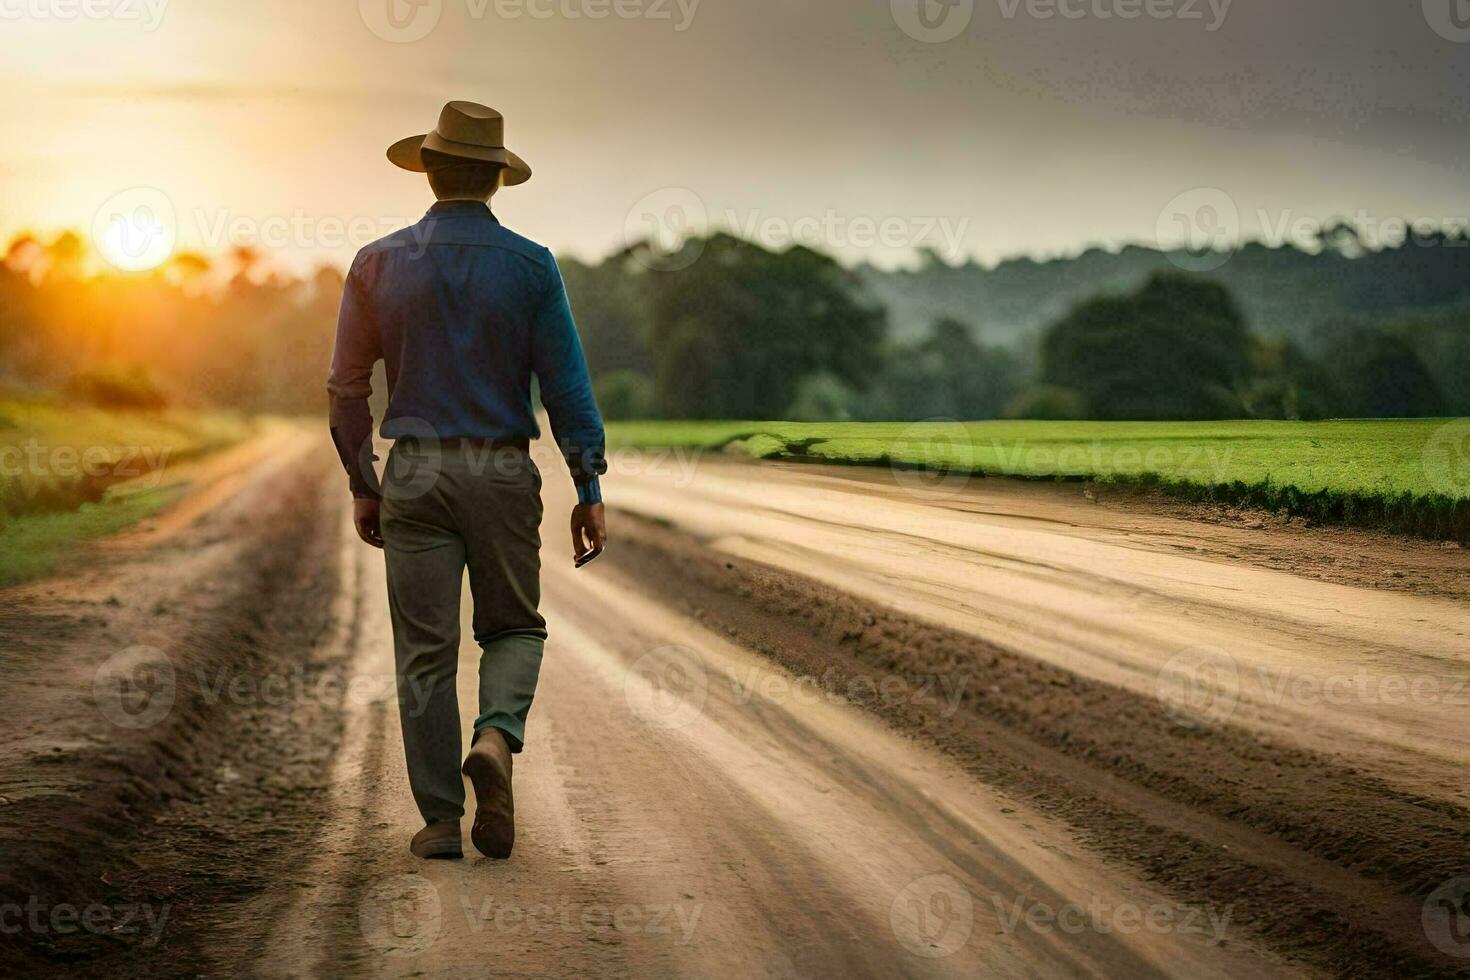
[{"x": 135, "y": 230}]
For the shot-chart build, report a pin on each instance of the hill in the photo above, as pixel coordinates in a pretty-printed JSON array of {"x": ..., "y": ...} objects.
[{"x": 1283, "y": 291}]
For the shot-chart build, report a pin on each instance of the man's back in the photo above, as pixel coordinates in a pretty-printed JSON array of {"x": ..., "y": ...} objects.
[{"x": 463, "y": 311}]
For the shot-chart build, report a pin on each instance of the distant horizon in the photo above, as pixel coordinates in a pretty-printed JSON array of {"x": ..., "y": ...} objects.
[
  {"x": 1031, "y": 134},
  {"x": 1457, "y": 228}
]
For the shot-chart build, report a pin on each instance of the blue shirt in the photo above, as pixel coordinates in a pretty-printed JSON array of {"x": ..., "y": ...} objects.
[{"x": 462, "y": 312}]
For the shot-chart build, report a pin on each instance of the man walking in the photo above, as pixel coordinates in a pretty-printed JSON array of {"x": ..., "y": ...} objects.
[{"x": 463, "y": 312}]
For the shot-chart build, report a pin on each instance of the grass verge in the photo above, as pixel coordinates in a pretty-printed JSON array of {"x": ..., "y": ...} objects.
[
  {"x": 69, "y": 474},
  {"x": 1410, "y": 476}
]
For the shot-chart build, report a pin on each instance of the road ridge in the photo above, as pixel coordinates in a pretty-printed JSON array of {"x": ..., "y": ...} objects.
[{"x": 1324, "y": 875}]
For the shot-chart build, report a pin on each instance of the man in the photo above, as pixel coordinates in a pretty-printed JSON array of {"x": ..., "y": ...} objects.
[{"x": 463, "y": 312}]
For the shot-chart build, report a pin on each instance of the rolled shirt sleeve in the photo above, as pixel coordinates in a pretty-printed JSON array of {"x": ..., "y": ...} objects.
[
  {"x": 566, "y": 388},
  {"x": 350, "y": 384}
]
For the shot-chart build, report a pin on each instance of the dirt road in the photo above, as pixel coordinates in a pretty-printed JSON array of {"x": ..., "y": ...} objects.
[
  {"x": 1139, "y": 601},
  {"x": 674, "y": 823},
  {"x": 806, "y": 722}
]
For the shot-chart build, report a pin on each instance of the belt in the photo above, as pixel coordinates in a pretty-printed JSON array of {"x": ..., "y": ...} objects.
[{"x": 523, "y": 444}]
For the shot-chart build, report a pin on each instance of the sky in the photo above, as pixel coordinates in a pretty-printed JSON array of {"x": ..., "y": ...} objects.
[{"x": 983, "y": 129}]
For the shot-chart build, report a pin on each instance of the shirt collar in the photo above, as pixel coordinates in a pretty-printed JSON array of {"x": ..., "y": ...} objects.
[{"x": 447, "y": 209}]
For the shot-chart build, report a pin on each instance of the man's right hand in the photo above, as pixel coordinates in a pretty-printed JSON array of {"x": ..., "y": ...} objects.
[
  {"x": 589, "y": 530},
  {"x": 365, "y": 519}
]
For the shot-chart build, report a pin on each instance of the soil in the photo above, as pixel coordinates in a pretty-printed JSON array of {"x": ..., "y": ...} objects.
[
  {"x": 785, "y": 698},
  {"x": 157, "y": 826},
  {"x": 1319, "y": 859}
]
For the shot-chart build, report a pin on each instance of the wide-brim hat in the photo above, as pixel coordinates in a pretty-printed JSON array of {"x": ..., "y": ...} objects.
[{"x": 468, "y": 130}]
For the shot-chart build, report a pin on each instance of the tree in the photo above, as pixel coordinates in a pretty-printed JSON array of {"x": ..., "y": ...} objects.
[
  {"x": 949, "y": 374},
  {"x": 1441, "y": 338},
  {"x": 1048, "y": 402},
  {"x": 822, "y": 398},
  {"x": 734, "y": 333},
  {"x": 1287, "y": 384},
  {"x": 1376, "y": 374},
  {"x": 623, "y": 394},
  {"x": 611, "y": 306},
  {"x": 1177, "y": 349}
]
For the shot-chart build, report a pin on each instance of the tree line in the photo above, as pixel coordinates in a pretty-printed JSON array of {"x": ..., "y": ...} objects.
[
  {"x": 227, "y": 332},
  {"x": 743, "y": 332},
  {"x": 1283, "y": 290}
]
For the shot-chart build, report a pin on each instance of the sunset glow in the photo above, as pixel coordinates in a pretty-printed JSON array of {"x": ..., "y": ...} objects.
[
  {"x": 132, "y": 234},
  {"x": 244, "y": 120}
]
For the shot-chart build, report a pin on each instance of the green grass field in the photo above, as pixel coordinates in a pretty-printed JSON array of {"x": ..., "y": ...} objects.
[
  {"x": 1411, "y": 476},
  {"x": 72, "y": 474}
]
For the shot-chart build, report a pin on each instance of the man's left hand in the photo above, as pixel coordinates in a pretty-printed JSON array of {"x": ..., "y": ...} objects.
[{"x": 589, "y": 530}]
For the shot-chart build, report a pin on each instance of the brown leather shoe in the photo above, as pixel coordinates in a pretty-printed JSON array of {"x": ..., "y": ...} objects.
[
  {"x": 438, "y": 840},
  {"x": 489, "y": 768}
]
